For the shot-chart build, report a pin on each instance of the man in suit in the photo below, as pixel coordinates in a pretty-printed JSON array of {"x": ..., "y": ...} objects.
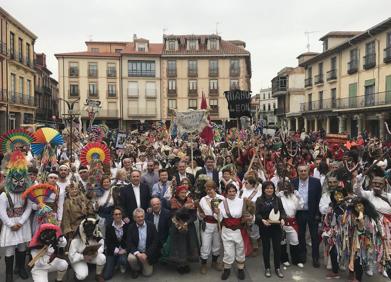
[
  {"x": 161, "y": 218},
  {"x": 310, "y": 190},
  {"x": 181, "y": 173},
  {"x": 209, "y": 170},
  {"x": 135, "y": 195},
  {"x": 142, "y": 245}
]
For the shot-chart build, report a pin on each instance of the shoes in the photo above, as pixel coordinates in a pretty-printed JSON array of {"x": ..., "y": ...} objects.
[
  {"x": 122, "y": 269},
  {"x": 134, "y": 274},
  {"x": 369, "y": 272},
  {"x": 287, "y": 264},
  {"x": 279, "y": 273},
  {"x": 268, "y": 273},
  {"x": 384, "y": 273},
  {"x": 315, "y": 263},
  {"x": 225, "y": 274},
  {"x": 99, "y": 278},
  {"x": 332, "y": 275},
  {"x": 217, "y": 266},
  {"x": 20, "y": 263},
  {"x": 300, "y": 265},
  {"x": 241, "y": 275},
  {"x": 204, "y": 268}
]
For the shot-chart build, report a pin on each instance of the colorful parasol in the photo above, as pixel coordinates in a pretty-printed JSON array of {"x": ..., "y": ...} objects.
[
  {"x": 95, "y": 151},
  {"x": 14, "y": 138},
  {"x": 44, "y": 136},
  {"x": 38, "y": 194}
]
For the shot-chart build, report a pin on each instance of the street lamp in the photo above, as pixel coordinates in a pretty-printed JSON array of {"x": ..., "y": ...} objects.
[{"x": 69, "y": 117}]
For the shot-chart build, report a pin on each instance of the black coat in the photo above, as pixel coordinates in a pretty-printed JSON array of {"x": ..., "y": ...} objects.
[
  {"x": 314, "y": 195},
  {"x": 128, "y": 200},
  {"x": 188, "y": 175},
  {"x": 112, "y": 241},
  {"x": 215, "y": 175},
  {"x": 163, "y": 226},
  {"x": 152, "y": 245}
]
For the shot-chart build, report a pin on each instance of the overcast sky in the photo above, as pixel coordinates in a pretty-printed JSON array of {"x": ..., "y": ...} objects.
[{"x": 272, "y": 30}]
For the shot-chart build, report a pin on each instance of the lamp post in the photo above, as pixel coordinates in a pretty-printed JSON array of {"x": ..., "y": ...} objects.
[{"x": 69, "y": 117}]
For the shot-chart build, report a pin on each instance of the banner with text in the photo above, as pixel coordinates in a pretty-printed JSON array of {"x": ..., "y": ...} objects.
[
  {"x": 191, "y": 121},
  {"x": 238, "y": 103}
]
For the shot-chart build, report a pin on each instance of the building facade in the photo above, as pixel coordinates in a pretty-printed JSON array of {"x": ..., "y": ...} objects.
[
  {"x": 193, "y": 65},
  {"x": 348, "y": 85},
  {"x": 17, "y": 105},
  {"x": 267, "y": 107},
  {"x": 288, "y": 89}
]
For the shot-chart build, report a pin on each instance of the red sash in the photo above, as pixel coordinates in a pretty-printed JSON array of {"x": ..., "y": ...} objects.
[
  {"x": 232, "y": 223},
  {"x": 210, "y": 219}
]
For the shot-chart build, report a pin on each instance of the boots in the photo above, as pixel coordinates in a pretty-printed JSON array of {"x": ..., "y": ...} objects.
[
  {"x": 216, "y": 265},
  {"x": 20, "y": 261},
  {"x": 204, "y": 267},
  {"x": 9, "y": 269},
  {"x": 254, "y": 243},
  {"x": 226, "y": 273},
  {"x": 241, "y": 275}
]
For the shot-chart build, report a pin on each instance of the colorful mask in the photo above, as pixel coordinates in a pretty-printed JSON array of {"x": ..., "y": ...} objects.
[
  {"x": 17, "y": 180},
  {"x": 48, "y": 237}
]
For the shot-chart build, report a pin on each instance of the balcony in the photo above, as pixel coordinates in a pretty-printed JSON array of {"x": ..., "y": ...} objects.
[
  {"x": 171, "y": 92},
  {"x": 171, "y": 73},
  {"x": 213, "y": 72},
  {"x": 387, "y": 55},
  {"x": 192, "y": 92},
  {"x": 369, "y": 61},
  {"x": 364, "y": 101},
  {"x": 279, "y": 86},
  {"x": 233, "y": 72},
  {"x": 20, "y": 59},
  {"x": 214, "y": 91},
  {"x": 144, "y": 73},
  {"x": 352, "y": 66},
  {"x": 319, "y": 105},
  {"x": 92, "y": 74},
  {"x": 111, "y": 73},
  {"x": 20, "y": 99},
  {"x": 73, "y": 72},
  {"x": 332, "y": 75},
  {"x": 3, "y": 49},
  {"x": 3, "y": 96},
  {"x": 308, "y": 82},
  {"x": 318, "y": 78},
  {"x": 192, "y": 73}
]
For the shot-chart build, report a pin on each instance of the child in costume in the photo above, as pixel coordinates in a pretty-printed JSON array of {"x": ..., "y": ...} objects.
[
  {"x": 44, "y": 249},
  {"x": 14, "y": 213}
]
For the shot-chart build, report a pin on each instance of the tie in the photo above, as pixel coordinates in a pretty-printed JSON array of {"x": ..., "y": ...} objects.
[{"x": 164, "y": 189}]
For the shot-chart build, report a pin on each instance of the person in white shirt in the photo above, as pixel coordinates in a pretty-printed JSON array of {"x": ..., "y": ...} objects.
[{"x": 210, "y": 231}]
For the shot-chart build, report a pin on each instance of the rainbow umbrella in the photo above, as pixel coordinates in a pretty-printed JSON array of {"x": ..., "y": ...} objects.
[
  {"x": 44, "y": 136},
  {"x": 15, "y": 137},
  {"x": 95, "y": 151}
]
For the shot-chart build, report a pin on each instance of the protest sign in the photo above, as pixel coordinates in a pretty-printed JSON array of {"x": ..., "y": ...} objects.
[
  {"x": 191, "y": 121},
  {"x": 238, "y": 103}
]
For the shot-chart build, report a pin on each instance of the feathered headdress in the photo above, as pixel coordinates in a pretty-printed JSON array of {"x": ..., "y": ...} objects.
[{"x": 17, "y": 169}]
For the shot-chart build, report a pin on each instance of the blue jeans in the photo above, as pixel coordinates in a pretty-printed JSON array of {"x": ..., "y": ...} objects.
[{"x": 111, "y": 263}]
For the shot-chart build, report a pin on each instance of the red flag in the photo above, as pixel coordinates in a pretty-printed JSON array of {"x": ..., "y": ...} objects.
[{"x": 207, "y": 133}]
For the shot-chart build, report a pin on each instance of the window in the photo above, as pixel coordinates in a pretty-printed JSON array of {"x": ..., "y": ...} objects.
[
  {"x": 354, "y": 54},
  {"x": 268, "y": 107},
  {"x": 264, "y": 107},
  {"x": 370, "y": 92},
  {"x": 333, "y": 97},
  {"x": 193, "y": 104},
  {"x": 95, "y": 50},
  {"x": 213, "y": 84},
  {"x": 274, "y": 105},
  {"x": 213, "y": 67},
  {"x": 150, "y": 89},
  {"x": 388, "y": 40},
  {"x": 333, "y": 63},
  {"x": 310, "y": 102},
  {"x": 234, "y": 84},
  {"x": 234, "y": 67},
  {"x": 171, "y": 45},
  {"x": 28, "y": 58},
  {"x": 268, "y": 96},
  {"x": 171, "y": 68},
  {"x": 171, "y": 85},
  {"x": 118, "y": 51},
  {"x": 214, "y": 105},
  {"x": 132, "y": 89},
  {"x": 111, "y": 90},
  {"x": 325, "y": 45},
  {"x": 320, "y": 68},
  {"x": 140, "y": 47},
  {"x": 192, "y": 44},
  {"x": 141, "y": 68},
  {"x": 73, "y": 69},
  {"x": 370, "y": 55},
  {"x": 13, "y": 84},
  {"x": 213, "y": 44},
  {"x": 92, "y": 89},
  {"x": 74, "y": 90},
  {"x": 264, "y": 96},
  {"x": 21, "y": 85},
  {"x": 12, "y": 45},
  {"x": 370, "y": 48},
  {"x": 193, "y": 84},
  {"x": 309, "y": 72},
  {"x": 20, "y": 50},
  {"x": 192, "y": 67},
  {"x": 28, "y": 87},
  {"x": 320, "y": 99},
  {"x": 92, "y": 70},
  {"x": 171, "y": 104},
  {"x": 111, "y": 70},
  {"x": 353, "y": 63}
]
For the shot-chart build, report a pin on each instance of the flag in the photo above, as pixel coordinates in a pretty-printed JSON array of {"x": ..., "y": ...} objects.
[{"x": 207, "y": 133}]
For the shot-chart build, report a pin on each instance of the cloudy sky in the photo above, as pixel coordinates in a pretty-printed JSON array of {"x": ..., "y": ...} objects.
[{"x": 273, "y": 30}]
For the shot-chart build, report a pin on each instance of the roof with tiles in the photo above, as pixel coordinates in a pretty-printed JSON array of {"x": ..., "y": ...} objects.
[
  {"x": 153, "y": 49},
  {"x": 88, "y": 54},
  {"x": 340, "y": 34}
]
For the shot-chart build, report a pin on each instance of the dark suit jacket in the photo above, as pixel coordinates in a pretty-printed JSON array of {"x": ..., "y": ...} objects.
[
  {"x": 112, "y": 242},
  {"x": 152, "y": 245},
  {"x": 215, "y": 175},
  {"x": 163, "y": 226},
  {"x": 128, "y": 200},
  {"x": 188, "y": 175},
  {"x": 314, "y": 195}
]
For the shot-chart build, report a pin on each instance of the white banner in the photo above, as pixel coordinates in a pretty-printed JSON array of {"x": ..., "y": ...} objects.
[{"x": 191, "y": 121}]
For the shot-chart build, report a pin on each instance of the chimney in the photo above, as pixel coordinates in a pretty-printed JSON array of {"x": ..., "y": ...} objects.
[{"x": 134, "y": 36}]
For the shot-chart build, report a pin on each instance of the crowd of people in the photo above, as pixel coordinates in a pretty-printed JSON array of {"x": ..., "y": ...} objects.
[{"x": 167, "y": 200}]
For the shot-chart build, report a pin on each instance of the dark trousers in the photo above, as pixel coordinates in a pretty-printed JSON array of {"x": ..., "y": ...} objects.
[
  {"x": 294, "y": 251},
  {"x": 273, "y": 233},
  {"x": 303, "y": 219},
  {"x": 111, "y": 263},
  {"x": 334, "y": 259},
  {"x": 358, "y": 269}
]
